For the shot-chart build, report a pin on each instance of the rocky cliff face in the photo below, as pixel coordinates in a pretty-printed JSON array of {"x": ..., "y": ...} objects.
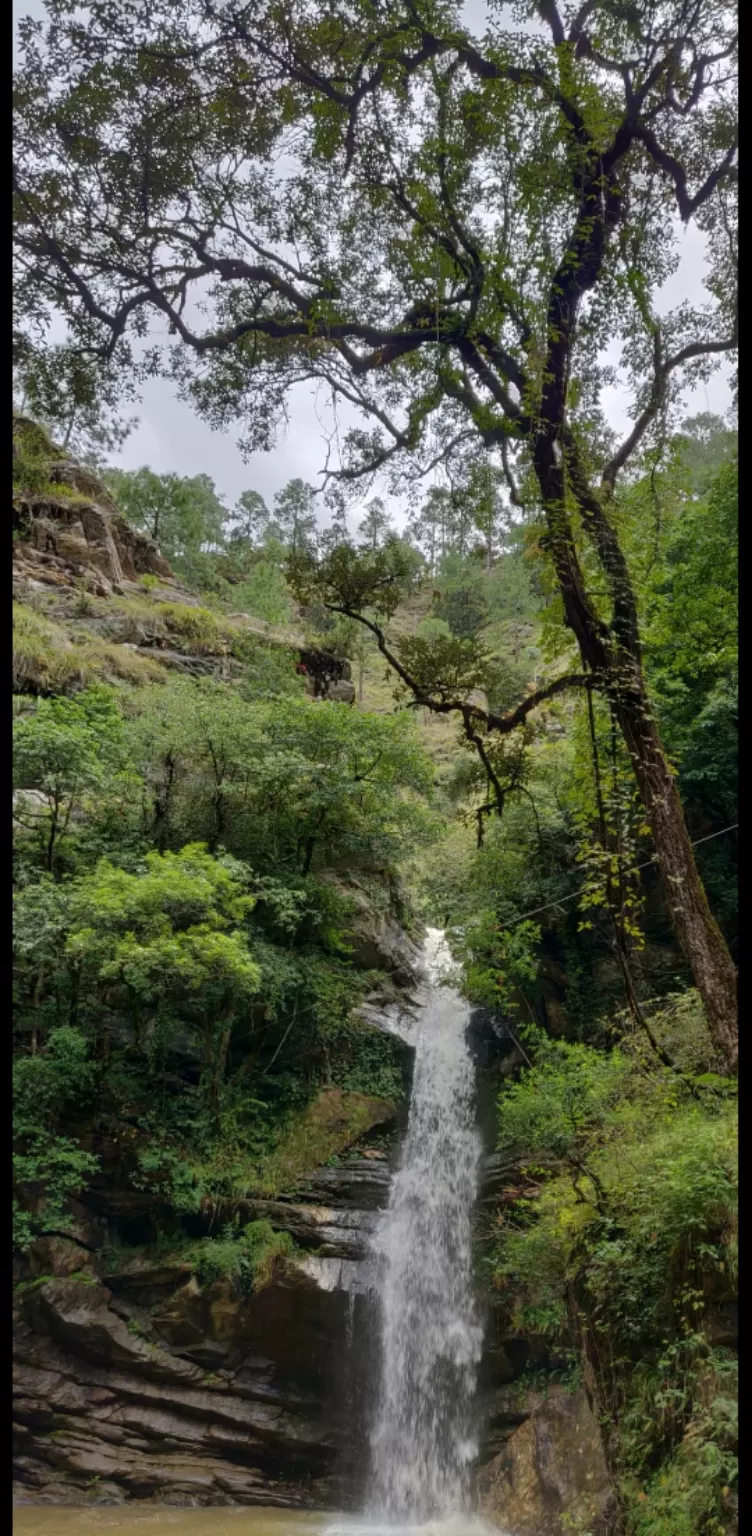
[
  {"x": 148, "y": 1387},
  {"x": 70, "y": 530},
  {"x": 136, "y": 1382}
]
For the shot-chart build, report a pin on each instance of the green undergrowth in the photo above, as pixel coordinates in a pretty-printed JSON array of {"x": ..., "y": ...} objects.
[
  {"x": 329, "y": 1126},
  {"x": 623, "y": 1245},
  {"x": 247, "y": 1254},
  {"x": 86, "y": 639},
  {"x": 248, "y": 1258},
  {"x": 50, "y": 658},
  {"x": 187, "y": 863},
  {"x": 195, "y": 628},
  {"x": 33, "y": 453}
]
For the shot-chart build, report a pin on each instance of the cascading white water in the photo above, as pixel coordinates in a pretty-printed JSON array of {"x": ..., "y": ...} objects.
[{"x": 431, "y": 1337}]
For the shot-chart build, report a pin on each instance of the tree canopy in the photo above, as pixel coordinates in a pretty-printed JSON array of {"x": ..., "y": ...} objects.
[
  {"x": 461, "y": 226},
  {"x": 449, "y": 202}
]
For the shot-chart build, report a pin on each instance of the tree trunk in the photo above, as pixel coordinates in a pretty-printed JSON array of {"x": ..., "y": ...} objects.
[
  {"x": 613, "y": 653},
  {"x": 698, "y": 933}
]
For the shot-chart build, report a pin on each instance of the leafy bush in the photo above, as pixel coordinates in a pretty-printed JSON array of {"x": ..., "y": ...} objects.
[
  {"x": 462, "y": 602},
  {"x": 249, "y": 1258},
  {"x": 198, "y": 626},
  {"x": 626, "y": 1239},
  {"x": 497, "y": 960},
  {"x": 48, "y": 1168},
  {"x": 32, "y": 455},
  {"x": 691, "y": 1490}
]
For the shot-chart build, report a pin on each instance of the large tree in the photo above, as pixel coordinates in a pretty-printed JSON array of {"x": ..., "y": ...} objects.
[
  {"x": 445, "y": 231},
  {"x": 375, "y": 525},
  {"x": 182, "y": 514},
  {"x": 294, "y": 518}
]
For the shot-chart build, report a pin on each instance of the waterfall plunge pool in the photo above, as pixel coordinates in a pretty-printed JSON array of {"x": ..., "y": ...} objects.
[{"x": 134, "y": 1519}]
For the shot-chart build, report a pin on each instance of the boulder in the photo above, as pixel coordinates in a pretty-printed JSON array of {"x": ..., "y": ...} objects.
[
  {"x": 551, "y": 1476},
  {"x": 340, "y": 692},
  {"x": 378, "y": 941},
  {"x": 60, "y": 1256},
  {"x": 323, "y": 672}
]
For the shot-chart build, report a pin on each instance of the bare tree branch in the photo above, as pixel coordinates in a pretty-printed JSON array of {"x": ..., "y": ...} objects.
[
  {"x": 687, "y": 205},
  {"x": 656, "y": 401},
  {"x": 472, "y": 713}
]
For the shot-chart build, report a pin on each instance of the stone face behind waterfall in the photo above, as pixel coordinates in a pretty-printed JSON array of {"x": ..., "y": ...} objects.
[
  {"x": 159, "y": 1388},
  {"x": 134, "y": 1381}
]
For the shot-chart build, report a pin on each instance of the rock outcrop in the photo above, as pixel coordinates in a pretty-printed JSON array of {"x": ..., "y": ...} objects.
[
  {"x": 327, "y": 676},
  {"x": 134, "y": 1381},
  {"x": 551, "y": 1477},
  {"x": 70, "y": 540},
  {"x": 69, "y": 529},
  {"x": 379, "y": 942},
  {"x": 141, "y": 1381},
  {"x": 98, "y": 1398}
]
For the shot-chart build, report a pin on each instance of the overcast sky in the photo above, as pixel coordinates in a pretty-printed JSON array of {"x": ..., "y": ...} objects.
[{"x": 171, "y": 438}]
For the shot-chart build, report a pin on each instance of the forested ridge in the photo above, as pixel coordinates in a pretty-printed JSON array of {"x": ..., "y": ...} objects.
[{"x": 485, "y": 680}]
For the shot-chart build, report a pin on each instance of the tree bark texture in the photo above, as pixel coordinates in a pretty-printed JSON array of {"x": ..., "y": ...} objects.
[
  {"x": 698, "y": 933},
  {"x": 613, "y": 653}
]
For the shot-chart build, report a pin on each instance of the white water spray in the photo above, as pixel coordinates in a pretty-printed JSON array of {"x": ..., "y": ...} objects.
[{"x": 422, "y": 1443}]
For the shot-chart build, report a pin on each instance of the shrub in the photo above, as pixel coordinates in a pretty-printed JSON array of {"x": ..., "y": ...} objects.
[
  {"x": 624, "y": 1241},
  {"x": 248, "y": 1258}
]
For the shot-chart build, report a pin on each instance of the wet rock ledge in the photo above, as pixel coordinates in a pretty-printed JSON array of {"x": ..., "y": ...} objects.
[{"x": 139, "y": 1383}]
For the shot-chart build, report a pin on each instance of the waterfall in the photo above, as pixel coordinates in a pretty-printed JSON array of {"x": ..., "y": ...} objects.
[{"x": 430, "y": 1343}]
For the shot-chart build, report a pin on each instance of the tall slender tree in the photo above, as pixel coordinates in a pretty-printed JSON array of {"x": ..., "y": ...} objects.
[
  {"x": 294, "y": 518},
  {"x": 250, "y": 518},
  {"x": 375, "y": 525}
]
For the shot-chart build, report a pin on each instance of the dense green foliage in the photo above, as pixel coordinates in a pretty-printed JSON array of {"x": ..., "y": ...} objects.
[
  {"x": 46, "y": 1161},
  {"x": 466, "y": 222},
  {"x": 185, "y": 858},
  {"x": 620, "y": 1250},
  {"x": 445, "y": 156},
  {"x": 692, "y": 655},
  {"x": 623, "y": 1246},
  {"x": 194, "y": 855}
]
